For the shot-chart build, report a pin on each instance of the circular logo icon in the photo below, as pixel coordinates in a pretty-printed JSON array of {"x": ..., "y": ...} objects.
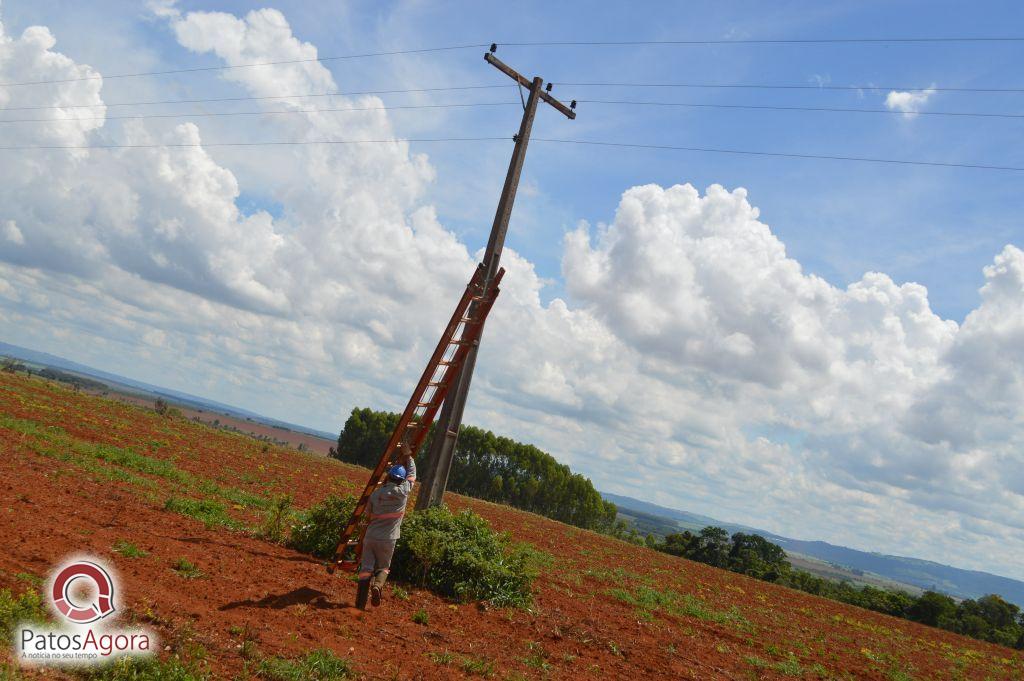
[{"x": 65, "y": 600}]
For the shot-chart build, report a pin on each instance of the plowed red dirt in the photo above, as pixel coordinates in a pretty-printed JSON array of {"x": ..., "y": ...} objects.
[{"x": 69, "y": 484}]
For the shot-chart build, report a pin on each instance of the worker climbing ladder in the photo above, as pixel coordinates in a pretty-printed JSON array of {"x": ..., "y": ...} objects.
[{"x": 461, "y": 334}]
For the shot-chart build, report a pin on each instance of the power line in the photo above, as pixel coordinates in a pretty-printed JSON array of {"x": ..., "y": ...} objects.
[
  {"x": 258, "y": 98},
  {"x": 453, "y": 88},
  {"x": 223, "y": 67},
  {"x": 272, "y": 143},
  {"x": 258, "y": 113},
  {"x": 457, "y": 105},
  {"x": 586, "y": 43},
  {"x": 859, "y": 159},
  {"x": 764, "y": 41},
  {"x": 761, "y": 86},
  {"x": 662, "y": 147},
  {"x": 771, "y": 107}
]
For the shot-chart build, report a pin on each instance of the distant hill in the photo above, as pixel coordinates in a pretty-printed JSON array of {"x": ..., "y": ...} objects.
[
  {"x": 923, "y": 574},
  {"x": 181, "y": 398}
]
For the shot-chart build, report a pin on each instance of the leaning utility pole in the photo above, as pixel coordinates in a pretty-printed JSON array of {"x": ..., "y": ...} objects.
[{"x": 442, "y": 450}]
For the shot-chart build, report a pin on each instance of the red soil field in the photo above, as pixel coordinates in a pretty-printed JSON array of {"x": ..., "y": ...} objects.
[{"x": 64, "y": 489}]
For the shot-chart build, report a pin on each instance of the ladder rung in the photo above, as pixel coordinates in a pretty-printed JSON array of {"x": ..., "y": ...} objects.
[
  {"x": 426, "y": 404},
  {"x": 435, "y": 385}
]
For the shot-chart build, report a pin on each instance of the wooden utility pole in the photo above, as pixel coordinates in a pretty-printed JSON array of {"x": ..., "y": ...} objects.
[{"x": 442, "y": 450}]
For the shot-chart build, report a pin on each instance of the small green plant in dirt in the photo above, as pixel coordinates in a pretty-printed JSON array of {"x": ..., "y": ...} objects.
[
  {"x": 319, "y": 528},
  {"x": 788, "y": 667},
  {"x": 444, "y": 658},
  {"x": 26, "y": 607},
  {"x": 477, "y": 666},
  {"x": 277, "y": 519},
  {"x": 421, "y": 617},
  {"x": 210, "y": 513},
  {"x": 460, "y": 556},
  {"x": 537, "y": 658},
  {"x": 400, "y": 593},
  {"x": 29, "y": 578},
  {"x": 128, "y": 549},
  {"x": 149, "y": 669},
  {"x": 187, "y": 569},
  {"x": 318, "y": 665}
]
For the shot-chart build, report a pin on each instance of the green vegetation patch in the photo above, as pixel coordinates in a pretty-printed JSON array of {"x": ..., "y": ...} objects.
[
  {"x": 788, "y": 667},
  {"x": 278, "y": 518},
  {"x": 128, "y": 549},
  {"x": 210, "y": 513},
  {"x": 144, "y": 669},
  {"x": 187, "y": 569},
  {"x": 318, "y": 529},
  {"x": 26, "y": 607},
  {"x": 649, "y": 601},
  {"x": 318, "y": 665},
  {"x": 458, "y": 555}
]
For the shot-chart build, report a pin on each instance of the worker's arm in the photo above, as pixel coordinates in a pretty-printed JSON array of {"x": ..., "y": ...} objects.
[{"x": 410, "y": 471}]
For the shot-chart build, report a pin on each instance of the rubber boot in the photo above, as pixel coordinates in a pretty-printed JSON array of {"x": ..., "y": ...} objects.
[
  {"x": 362, "y": 591},
  {"x": 376, "y": 591}
]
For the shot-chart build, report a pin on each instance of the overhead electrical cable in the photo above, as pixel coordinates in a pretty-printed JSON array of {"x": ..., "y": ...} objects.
[
  {"x": 773, "y": 107},
  {"x": 204, "y": 100},
  {"x": 461, "y": 105},
  {"x": 259, "y": 98},
  {"x": 597, "y": 143},
  {"x": 767, "y": 86},
  {"x": 186, "y": 114},
  {"x": 550, "y": 43},
  {"x": 766, "y": 41},
  {"x": 744, "y": 152},
  {"x": 224, "y": 67},
  {"x": 272, "y": 143}
]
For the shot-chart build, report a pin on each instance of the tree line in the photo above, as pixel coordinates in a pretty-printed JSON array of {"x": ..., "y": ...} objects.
[
  {"x": 989, "y": 618},
  {"x": 491, "y": 467}
]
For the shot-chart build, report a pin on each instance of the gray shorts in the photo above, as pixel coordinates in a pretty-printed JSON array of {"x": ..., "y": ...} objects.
[{"x": 376, "y": 556}]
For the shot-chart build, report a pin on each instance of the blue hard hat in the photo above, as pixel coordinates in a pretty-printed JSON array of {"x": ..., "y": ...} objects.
[{"x": 397, "y": 472}]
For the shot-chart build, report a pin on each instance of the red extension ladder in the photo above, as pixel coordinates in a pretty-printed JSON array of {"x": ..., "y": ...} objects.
[{"x": 462, "y": 333}]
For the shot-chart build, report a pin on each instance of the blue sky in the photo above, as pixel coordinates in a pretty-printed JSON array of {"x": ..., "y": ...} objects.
[
  {"x": 938, "y": 227},
  {"x": 809, "y": 350}
]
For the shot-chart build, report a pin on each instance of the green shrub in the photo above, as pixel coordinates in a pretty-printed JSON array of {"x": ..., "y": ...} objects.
[
  {"x": 460, "y": 556},
  {"x": 276, "y": 518},
  {"x": 421, "y": 617},
  {"x": 319, "y": 527},
  {"x": 28, "y": 607},
  {"x": 318, "y": 665}
]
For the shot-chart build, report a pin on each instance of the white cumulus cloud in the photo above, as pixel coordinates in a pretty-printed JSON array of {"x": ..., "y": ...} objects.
[{"x": 693, "y": 361}]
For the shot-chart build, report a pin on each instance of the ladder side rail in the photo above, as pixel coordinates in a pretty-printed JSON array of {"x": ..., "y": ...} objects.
[
  {"x": 468, "y": 295},
  {"x": 442, "y": 346},
  {"x": 460, "y": 356},
  {"x": 445, "y": 383}
]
